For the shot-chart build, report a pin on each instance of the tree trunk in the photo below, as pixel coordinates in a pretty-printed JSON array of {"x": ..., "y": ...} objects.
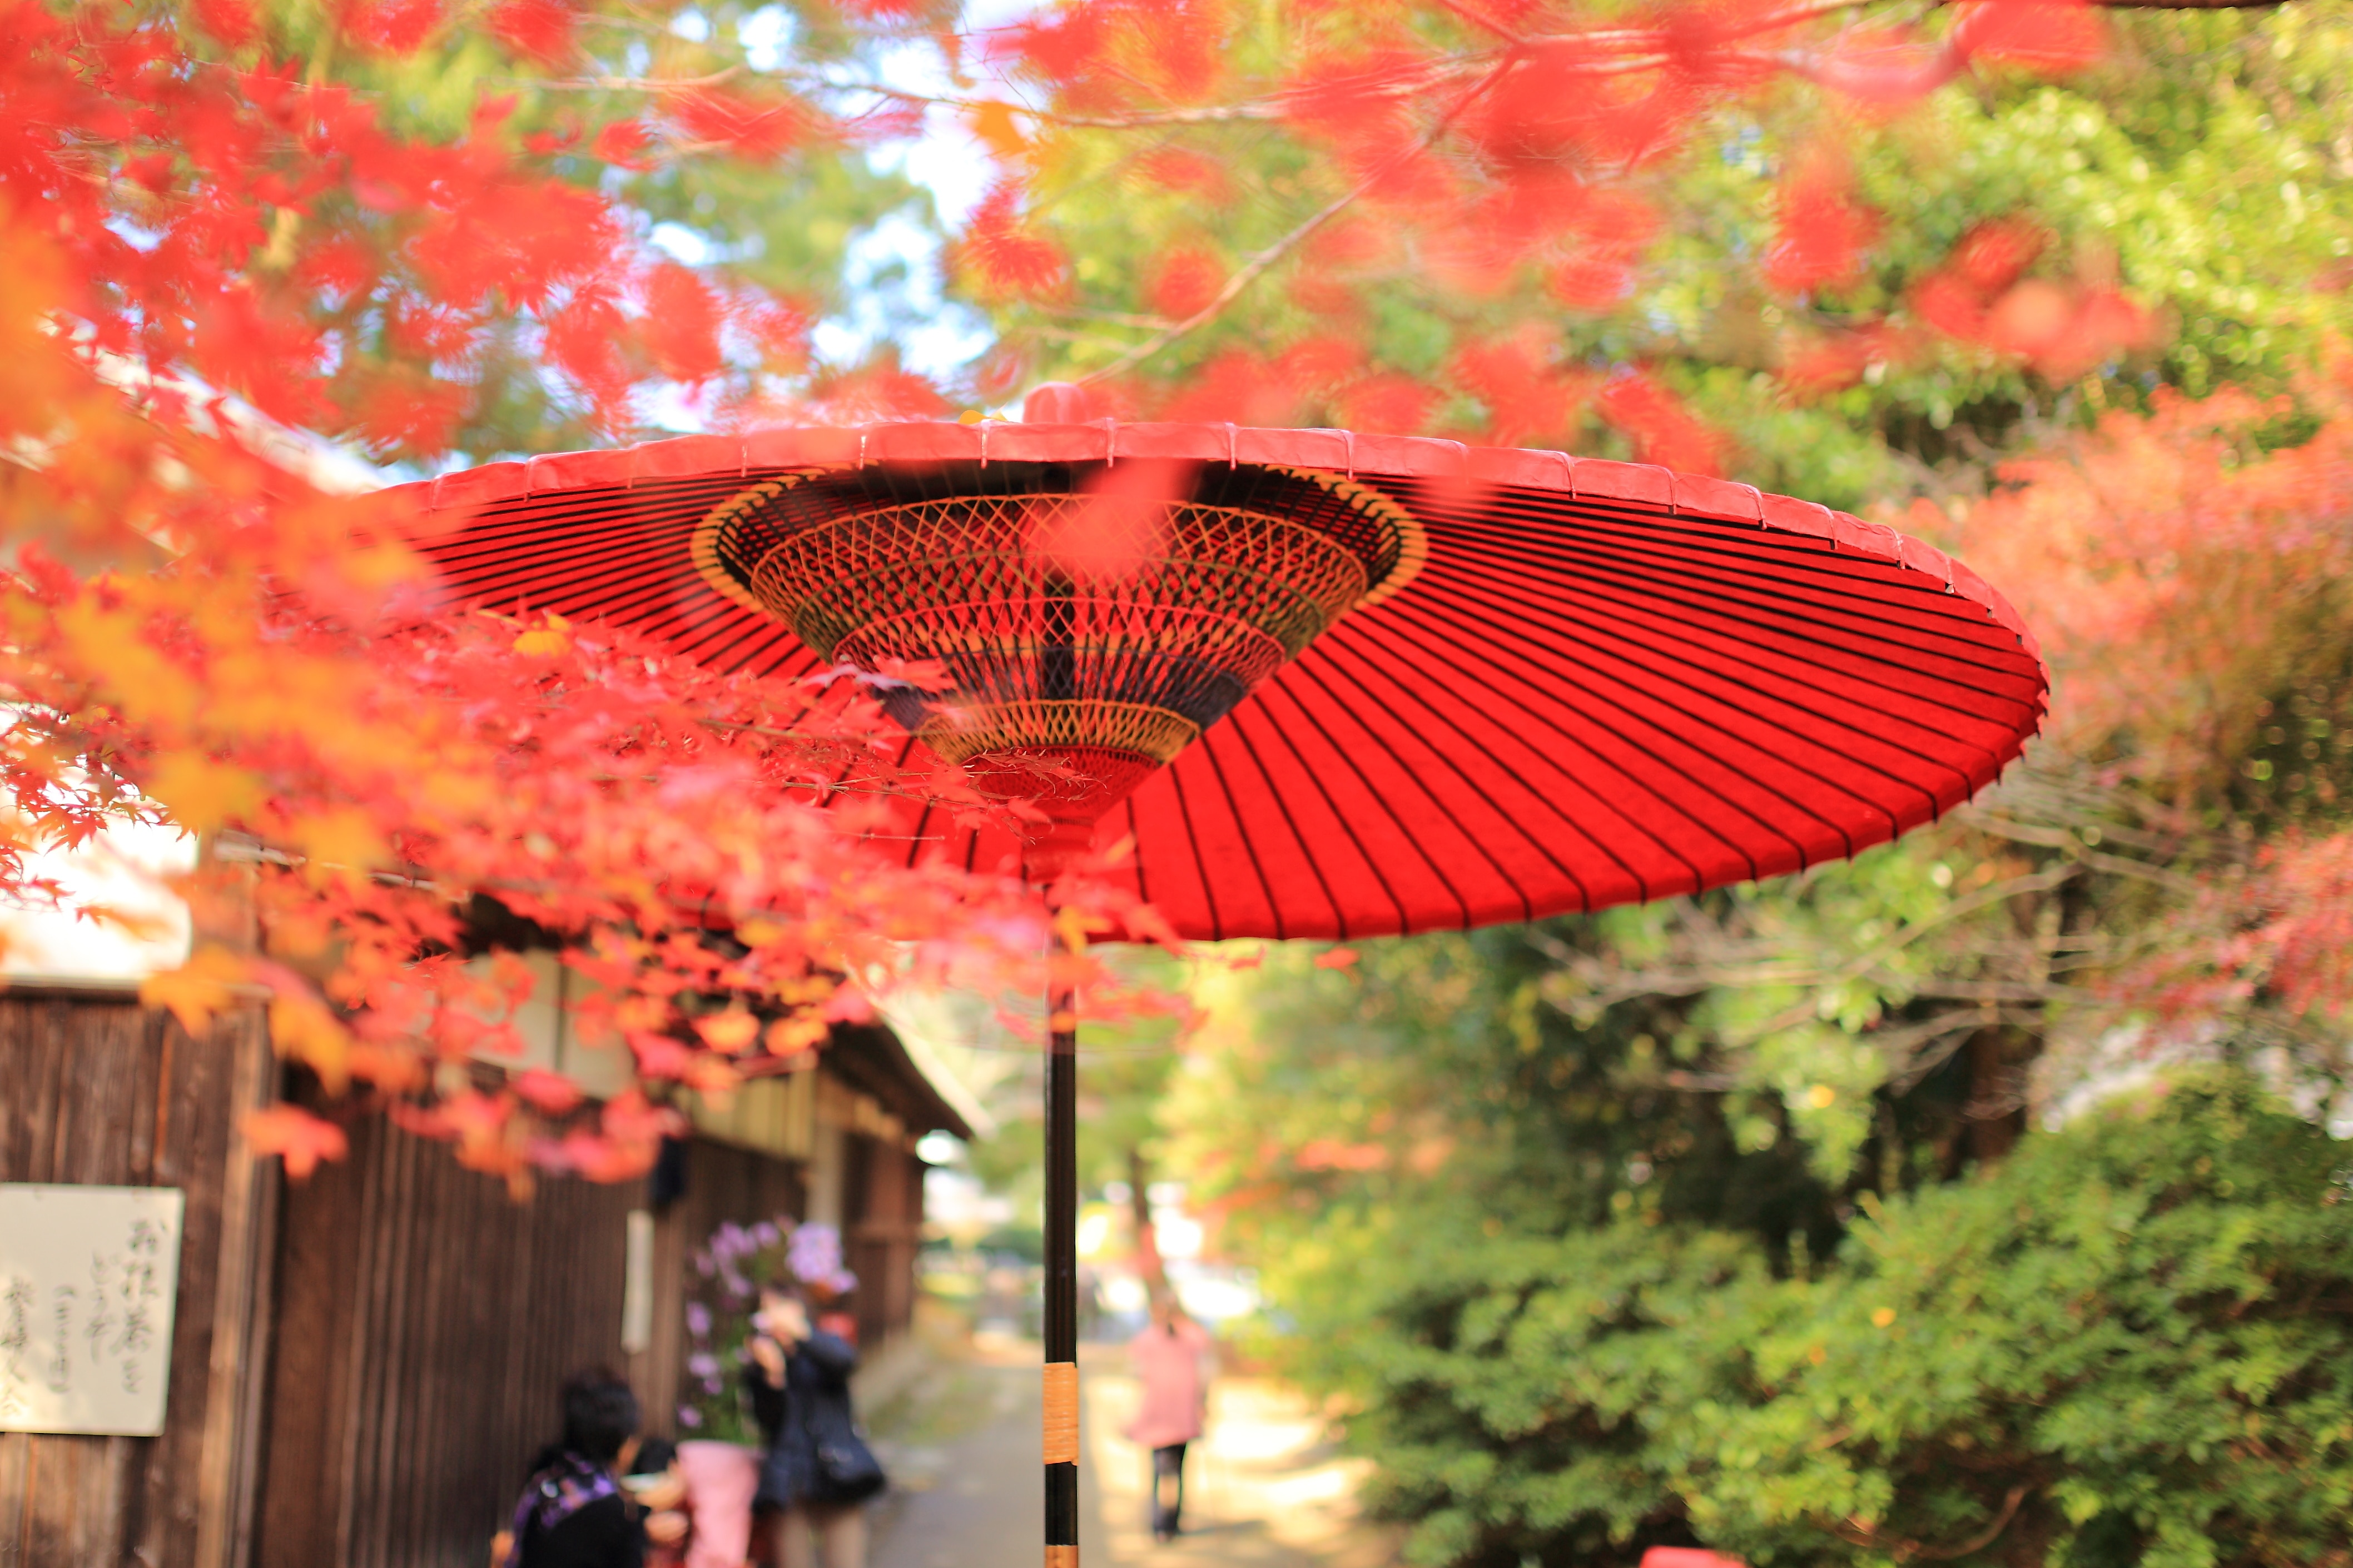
[{"x": 1147, "y": 1246}]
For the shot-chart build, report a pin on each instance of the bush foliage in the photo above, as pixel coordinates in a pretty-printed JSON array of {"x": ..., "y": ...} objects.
[{"x": 2129, "y": 1343}]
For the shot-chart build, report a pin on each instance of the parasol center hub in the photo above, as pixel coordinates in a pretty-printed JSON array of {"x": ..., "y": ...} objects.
[{"x": 1058, "y": 639}]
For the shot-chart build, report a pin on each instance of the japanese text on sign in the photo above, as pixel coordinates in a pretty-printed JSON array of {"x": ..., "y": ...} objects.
[{"x": 87, "y": 1280}]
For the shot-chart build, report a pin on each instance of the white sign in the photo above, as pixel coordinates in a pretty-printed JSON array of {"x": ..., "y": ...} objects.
[{"x": 88, "y": 1276}]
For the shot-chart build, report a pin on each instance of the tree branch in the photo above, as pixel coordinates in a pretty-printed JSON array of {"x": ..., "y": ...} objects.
[
  {"x": 1258, "y": 265},
  {"x": 1985, "y": 1538}
]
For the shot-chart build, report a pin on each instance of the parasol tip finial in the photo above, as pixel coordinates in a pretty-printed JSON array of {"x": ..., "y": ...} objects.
[{"x": 1059, "y": 403}]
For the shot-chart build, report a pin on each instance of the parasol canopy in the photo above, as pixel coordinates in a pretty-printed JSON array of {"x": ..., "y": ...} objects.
[
  {"x": 1330, "y": 685},
  {"x": 1327, "y": 685}
]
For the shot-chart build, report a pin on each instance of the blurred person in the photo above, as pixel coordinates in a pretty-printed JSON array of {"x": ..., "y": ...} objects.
[
  {"x": 818, "y": 1471},
  {"x": 655, "y": 1482},
  {"x": 1171, "y": 1357},
  {"x": 573, "y": 1512},
  {"x": 830, "y": 1306}
]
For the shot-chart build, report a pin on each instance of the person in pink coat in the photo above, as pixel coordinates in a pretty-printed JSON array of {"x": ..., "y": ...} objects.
[{"x": 1172, "y": 1363}]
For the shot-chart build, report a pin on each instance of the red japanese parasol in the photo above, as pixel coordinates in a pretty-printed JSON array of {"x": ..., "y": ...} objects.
[{"x": 1329, "y": 685}]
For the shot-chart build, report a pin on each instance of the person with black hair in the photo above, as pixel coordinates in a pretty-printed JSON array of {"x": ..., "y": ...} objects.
[{"x": 572, "y": 1513}]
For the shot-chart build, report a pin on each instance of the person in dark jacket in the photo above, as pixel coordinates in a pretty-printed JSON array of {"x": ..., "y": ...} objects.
[
  {"x": 573, "y": 1512},
  {"x": 818, "y": 1472}
]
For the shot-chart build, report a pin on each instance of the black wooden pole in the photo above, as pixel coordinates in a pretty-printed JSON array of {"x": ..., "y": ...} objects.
[{"x": 1062, "y": 1329}]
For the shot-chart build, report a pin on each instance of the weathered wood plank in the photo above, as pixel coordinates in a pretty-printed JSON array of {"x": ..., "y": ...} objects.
[
  {"x": 311, "y": 1360},
  {"x": 74, "y": 1506},
  {"x": 207, "y": 1529},
  {"x": 15, "y": 1458},
  {"x": 95, "y": 1089}
]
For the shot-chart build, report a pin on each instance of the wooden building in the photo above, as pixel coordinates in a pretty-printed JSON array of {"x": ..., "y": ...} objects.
[{"x": 362, "y": 1364}]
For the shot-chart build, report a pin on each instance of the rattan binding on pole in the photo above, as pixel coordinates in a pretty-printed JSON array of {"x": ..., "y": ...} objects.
[{"x": 1061, "y": 1399}]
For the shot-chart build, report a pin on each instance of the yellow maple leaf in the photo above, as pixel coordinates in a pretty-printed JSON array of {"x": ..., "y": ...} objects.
[
  {"x": 1000, "y": 130},
  {"x": 203, "y": 794},
  {"x": 547, "y": 640},
  {"x": 343, "y": 840},
  {"x": 303, "y": 1029},
  {"x": 790, "y": 1036},
  {"x": 209, "y": 982},
  {"x": 714, "y": 1079},
  {"x": 732, "y": 1031},
  {"x": 1074, "y": 926}
]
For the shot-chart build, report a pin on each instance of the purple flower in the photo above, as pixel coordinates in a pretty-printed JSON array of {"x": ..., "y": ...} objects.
[
  {"x": 697, "y": 1320},
  {"x": 766, "y": 1234},
  {"x": 816, "y": 1253},
  {"x": 688, "y": 1415},
  {"x": 711, "y": 1386},
  {"x": 703, "y": 1363},
  {"x": 705, "y": 1265}
]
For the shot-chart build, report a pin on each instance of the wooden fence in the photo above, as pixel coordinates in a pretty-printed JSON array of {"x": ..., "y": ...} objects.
[
  {"x": 424, "y": 1324},
  {"x": 362, "y": 1363},
  {"x": 96, "y": 1090}
]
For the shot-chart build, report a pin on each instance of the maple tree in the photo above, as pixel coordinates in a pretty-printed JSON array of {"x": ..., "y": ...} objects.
[
  {"x": 2163, "y": 876},
  {"x": 437, "y": 236},
  {"x": 1840, "y": 252},
  {"x": 1854, "y": 255},
  {"x": 226, "y": 226},
  {"x": 1430, "y": 1152}
]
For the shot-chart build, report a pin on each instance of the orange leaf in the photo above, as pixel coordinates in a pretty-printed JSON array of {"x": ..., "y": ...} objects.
[
  {"x": 541, "y": 30},
  {"x": 1387, "y": 404},
  {"x": 1991, "y": 256},
  {"x": 395, "y": 27},
  {"x": 681, "y": 324},
  {"x": 295, "y": 1136},
  {"x": 549, "y": 1092},
  {"x": 203, "y": 794},
  {"x": 1007, "y": 253},
  {"x": 230, "y": 21},
  {"x": 2049, "y": 38},
  {"x": 1187, "y": 280},
  {"x": 621, "y": 143},
  {"x": 803, "y": 1031},
  {"x": 1664, "y": 431},
  {"x": 1823, "y": 232},
  {"x": 759, "y": 127}
]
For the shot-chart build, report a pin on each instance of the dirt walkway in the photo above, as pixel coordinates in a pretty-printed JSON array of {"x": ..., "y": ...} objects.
[{"x": 1263, "y": 1490}]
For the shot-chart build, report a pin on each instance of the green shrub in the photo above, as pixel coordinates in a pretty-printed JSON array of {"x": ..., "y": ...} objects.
[{"x": 2129, "y": 1343}]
